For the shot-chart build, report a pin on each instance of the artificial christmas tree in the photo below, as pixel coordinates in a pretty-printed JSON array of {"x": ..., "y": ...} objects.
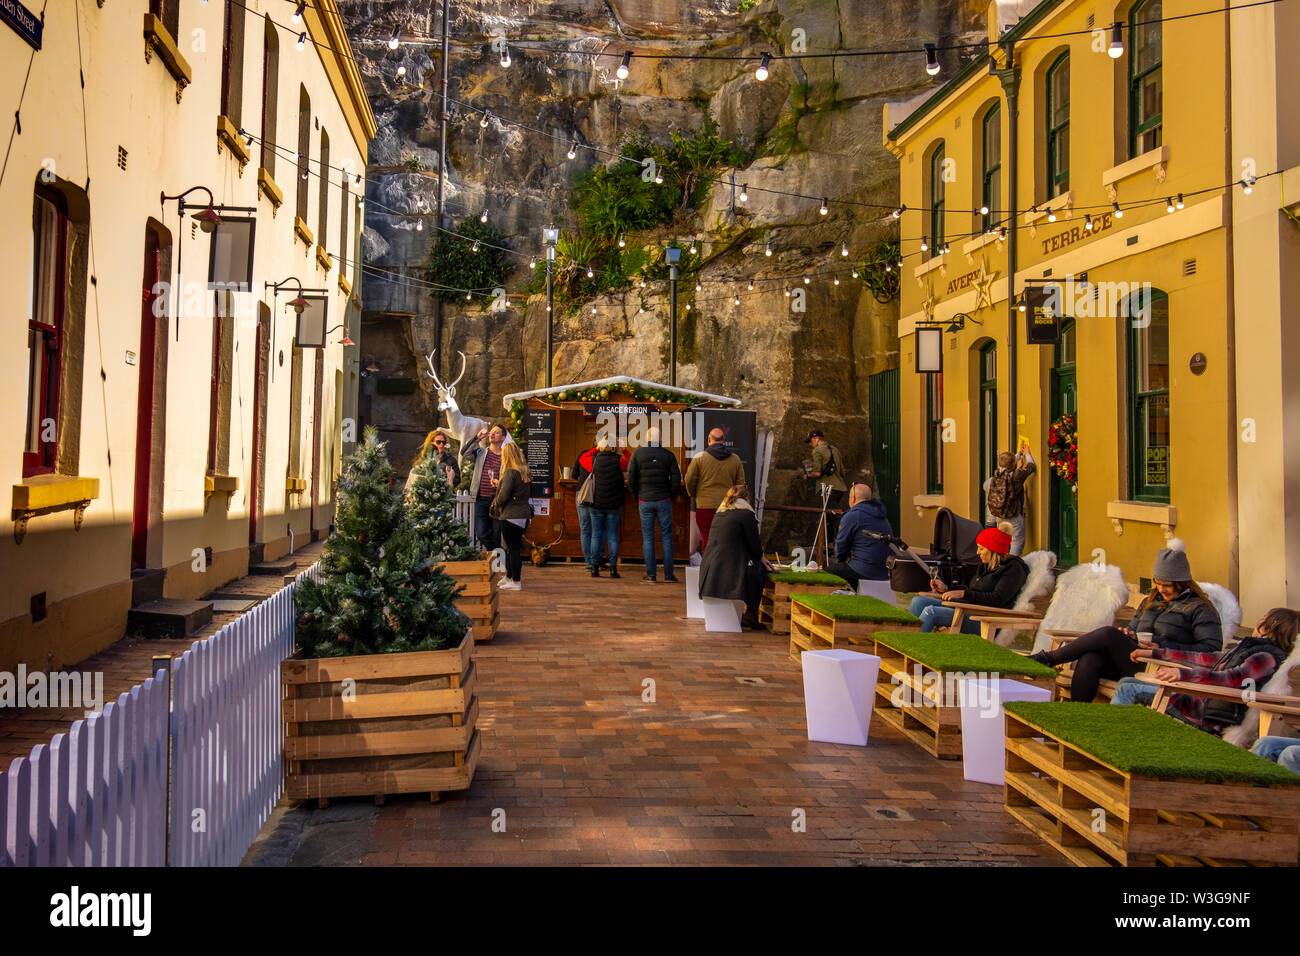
[
  {"x": 380, "y": 590},
  {"x": 431, "y": 510}
]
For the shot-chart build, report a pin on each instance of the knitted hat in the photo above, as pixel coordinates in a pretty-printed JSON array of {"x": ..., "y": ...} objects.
[
  {"x": 1171, "y": 562},
  {"x": 997, "y": 541}
]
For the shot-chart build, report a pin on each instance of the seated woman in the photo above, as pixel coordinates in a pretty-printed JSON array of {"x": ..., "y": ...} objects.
[
  {"x": 1283, "y": 751},
  {"x": 1176, "y": 612},
  {"x": 1255, "y": 658},
  {"x": 996, "y": 585},
  {"x": 733, "y": 567}
]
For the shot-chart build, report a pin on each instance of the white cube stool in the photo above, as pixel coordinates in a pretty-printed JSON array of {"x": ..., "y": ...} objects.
[
  {"x": 984, "y": 725},
  {"x": 722, "y": 615},
  {"x": 693, "y": 606},
  {"x": 838, "y": 690},
  {"x": 878, "y": 589}
]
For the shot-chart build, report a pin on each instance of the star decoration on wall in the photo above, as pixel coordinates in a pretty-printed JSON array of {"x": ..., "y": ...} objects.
[
  {"x": 984, "y": 286},
  {"x": 929, "y": 302}
]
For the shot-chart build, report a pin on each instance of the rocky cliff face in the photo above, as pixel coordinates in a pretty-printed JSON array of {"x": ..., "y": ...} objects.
[{"x": 814, "y": 127}]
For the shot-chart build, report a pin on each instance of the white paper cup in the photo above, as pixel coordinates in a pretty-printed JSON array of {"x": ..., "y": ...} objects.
[
  {"x": 568, "y": 473},
  {"x": 1146, "y": 636}
]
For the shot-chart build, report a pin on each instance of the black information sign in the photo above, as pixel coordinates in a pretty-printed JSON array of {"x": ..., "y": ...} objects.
[
  {"x": 539, "y": 449},
  {"x": 25, "y": 23},
  {"x": 741, "y": 429},
  {"x": 1042, "y": 315}
]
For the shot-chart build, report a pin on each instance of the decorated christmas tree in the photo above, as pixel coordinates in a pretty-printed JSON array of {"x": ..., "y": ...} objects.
[
  {"x": 431, "y": 510},
  {"x": 379, "y": 591}
]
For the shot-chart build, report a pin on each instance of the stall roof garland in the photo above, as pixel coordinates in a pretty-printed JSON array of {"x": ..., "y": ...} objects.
[{"x": 601, "y": 389}]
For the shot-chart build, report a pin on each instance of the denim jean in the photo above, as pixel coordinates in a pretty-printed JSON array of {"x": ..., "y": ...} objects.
[
  {"x": 1130, "y": 690},
  {"x": 485, "y": 526},
  {"x": 584, "y": 531},
  {"x": 661, "y": 512},
  {"x": 604, "y": 533},
  {"x": 1017, "y": 536},
  {"x": 933, "y": 614},
  {"x": 1284, "y": 751}
]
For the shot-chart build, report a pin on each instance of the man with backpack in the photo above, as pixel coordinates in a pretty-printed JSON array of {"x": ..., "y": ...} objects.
[
  {"x": 1004, "y": 493},
  {"x": 828, "y": 469}
]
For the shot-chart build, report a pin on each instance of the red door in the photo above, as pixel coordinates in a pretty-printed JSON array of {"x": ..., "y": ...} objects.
[{"x": 144, "y": 402}]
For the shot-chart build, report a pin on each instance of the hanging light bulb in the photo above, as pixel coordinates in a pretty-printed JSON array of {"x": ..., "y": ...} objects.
[
  {"x": 659, "y": 176},
  {"x": 925, "y": 243},
  {"x": 393, "y": 41},
  {"x": 1033, "y": 210},
  {"x": 1119, "y": 213},
  {"x": 1179, "y": 201},
  {"x": 305, "y": 172},
  {"x": 1116, "y": 48},
  {"x": 761, "y": 73},
  {"x": 532, "y": 262},
  {"x": 889, "y": 267},
  {"x": 1248, "y": 185},
  {"x": 401, "y": 71},
  {"x": 573, "y": 149},
  {"x": 467, "y": 296},
  {"x": 357, "y": 181},
  {"x": 593, "y": 310},
  {"x": 1169, "y": 204},
  {"x": 1022, "y": 302},
  {"x": 474, "y": 247},
  {"x": 1051, "y": 215},
  {"x": 1002, "y": 233},
  {"x": 837, "y": 280},
  {"x": 787, "y": 293},
  {"x": 899, "y": 211},
  {"x": 688, "y": 307},
  {"x": 736, "y": 301},
  {"x": 419, "y": 225},
  {"x": 621, "y": 72},
  {"x": 484, "y": 120},
  {"x": 299, "y": 10},
  {"x": 302, "y": 41},
  {"x": 844, "y": 248},
  {"x": 483, "y": 215},
  {"x": 1087, "y": 221},
  {"x": 984, "y": 210},
  {"x": 692, "y": 247},
  {"x": 931, "y": 59},
  {"x": 505, "y": 55},
  {"x": 825, "y": 209},
  {"x": 751, "y": 285},
  {"x": 767, "y": 250},
  {"x": 744, "y": 193},
  {"x": 806, "y": 280},
  {"x": 900, "y": 262},
  {"x": 590, "y": 273},
  {"x": 621, "y": 242}
]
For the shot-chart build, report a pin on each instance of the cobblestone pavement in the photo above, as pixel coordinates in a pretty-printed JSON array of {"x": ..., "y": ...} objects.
[{"x": 717, "y": 769}]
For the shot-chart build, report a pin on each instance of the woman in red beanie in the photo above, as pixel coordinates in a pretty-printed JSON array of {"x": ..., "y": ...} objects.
[{"x": 997, "y": 584}]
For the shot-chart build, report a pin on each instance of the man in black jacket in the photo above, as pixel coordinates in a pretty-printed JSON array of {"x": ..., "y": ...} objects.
[
  {"x": 654, "y": 477},
  {"x": 859, "y": 556}
]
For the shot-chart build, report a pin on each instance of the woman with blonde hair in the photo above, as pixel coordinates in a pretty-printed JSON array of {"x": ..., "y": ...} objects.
[
  {"x": 733, "y": 568},
  {"x": 511, "y": 510},
  {"x": 438, "y": 441},
  {"x": 1176, "y": 613},
  {"x": 997, "y": 584}
]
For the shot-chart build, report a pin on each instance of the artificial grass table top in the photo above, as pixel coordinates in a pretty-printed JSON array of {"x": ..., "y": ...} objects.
[
  {"x": 808, "y": 577},
  {"x": 1144, "y": 743},
  {"x": 854, "y": 607},
  {"x": 962, "y": 652}
]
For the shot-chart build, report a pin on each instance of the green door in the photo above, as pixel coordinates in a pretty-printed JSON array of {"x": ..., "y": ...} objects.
[
  {"x": 988, "y": 372},
  {"x": 1064, "y": 517},
  {"x": 882, "y": 401}
]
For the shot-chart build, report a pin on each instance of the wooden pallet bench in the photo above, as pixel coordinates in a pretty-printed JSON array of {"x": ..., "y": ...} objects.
[
  {"x": 380, "y": 724},
  {"x": 479, "y": 601},
  {"x": 774, "y": 608},
  {"x": 1126, "y": 786},
  {"x": 819, "y": 622},
  {"x": 916, "y": 691}
]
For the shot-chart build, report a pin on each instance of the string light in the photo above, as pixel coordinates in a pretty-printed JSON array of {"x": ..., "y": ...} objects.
[
  {"x": 844, "y": 248},
  {"x": 401, "y": 71},
  {"x": 787, "y": 293},
  {"x": 1248, "y": 185},
  {"x": 357, "y": 180},
  {"x": 1169, "y": 204},
  {"x": 806, "y": 280},
  {"x": 302, "y": 41},
  {"x": 467, "y": 295},
  {"x": 573, "y": 150},
  {"x": 825, "y": 209},
  {"x": 659, "y": 176},
  {"x": 692, "y": 247},
  {"x": 931, "y": 59},
  {"x": 744, "y": 193},
  {"x": 944, "y": 250},
  {"x": 1119, "y": 213},
  {"x": 1051, "y": 215},
  {"x": 393, "y": 41},
  {"x": 761, "y": 73},
  {"x": 474, "y": 247},
  {"x": 505, "y": 55},
  {"x": 925, "y": 243},
  {"x": 899, "y": 211},
  {"x": 837, "y": 280},
  {"x": 532, "y": 262},
  {"x": 590, "y": 273},
  {"x": 751, "y": 285},
  {"x": 736, "y": 301},
  {"x": 623, "y": 67},
  {"x": 1087, "y": 221},
  {"x": 984, "y": 210},
  {"x": 889, "y": 267},
  {"x": 1116, "y": 48},
  {"x": 419, "y": 225},
  {"x": 1022, "y": 302},
  {"x": 1002, "y": 233},
  {"x": 483, "y": 215},
  {"x": 688, "y": 307},
  {"x": 1179, "y": 201},
  {"x": 621, "y": 242},
  {"x": 299, "y": 11},
  {"x": 767, "y": 250},
  {"x": 487, "y": 114}
]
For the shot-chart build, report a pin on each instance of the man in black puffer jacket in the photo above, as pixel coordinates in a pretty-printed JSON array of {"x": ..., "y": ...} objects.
[
  {"x": 653, "y": 477},
  {"x": 607, "y": 506}
]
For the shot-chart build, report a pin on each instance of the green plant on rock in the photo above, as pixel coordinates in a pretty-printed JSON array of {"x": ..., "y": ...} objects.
[
  {"x": 378, "y": 592},
  {"x": 880, "y": 271},
  {"x": 455, "y": 265}
]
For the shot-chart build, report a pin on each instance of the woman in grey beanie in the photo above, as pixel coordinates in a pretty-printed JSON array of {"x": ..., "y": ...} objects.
[{"x": 1176, "y": 612}]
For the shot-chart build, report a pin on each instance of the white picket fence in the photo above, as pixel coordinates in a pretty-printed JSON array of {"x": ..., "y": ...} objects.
[
  {"x": 465, "y": 512},
  {"x": 98, "y": 796}
]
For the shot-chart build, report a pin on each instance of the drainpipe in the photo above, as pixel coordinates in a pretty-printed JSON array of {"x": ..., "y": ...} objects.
[
  {"x": 1010, "y": 77},
  {"x": 1230, "y": 359},
  {"x": 442, "y": 174}
]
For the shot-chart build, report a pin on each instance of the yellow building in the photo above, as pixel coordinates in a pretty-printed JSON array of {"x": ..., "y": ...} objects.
[
  {"x": 162, "y": 421},
  {"x": 1125, "y": 163}
]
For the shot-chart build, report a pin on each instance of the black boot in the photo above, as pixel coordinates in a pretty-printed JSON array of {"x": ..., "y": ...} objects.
[
  {"x": 595, "y": 571},
  {"x": 613, "y": 570},
  {"x": 1043, "y": 657}
]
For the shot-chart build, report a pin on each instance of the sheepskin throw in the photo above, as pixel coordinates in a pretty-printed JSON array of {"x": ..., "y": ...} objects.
[
  {"x": 1087, "y": 597},
  {"x": 1040, "y": 581},
  {"x": 1247, "y": 732},
  {"x": 1225, "y": 602}
]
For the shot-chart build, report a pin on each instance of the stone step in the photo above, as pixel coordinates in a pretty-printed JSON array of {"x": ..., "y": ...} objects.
[
  {"x": 146, "y": 585},
  {"x": 168, "y": 618},
  {"x": 279, "y": 568}
]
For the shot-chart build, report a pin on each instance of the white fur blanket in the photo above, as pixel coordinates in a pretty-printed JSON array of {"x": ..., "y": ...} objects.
[
  {"x": 1225, "y": 602},
  {"x": 1087, "y": 597},
  {"x": 1038, "y": 583}
]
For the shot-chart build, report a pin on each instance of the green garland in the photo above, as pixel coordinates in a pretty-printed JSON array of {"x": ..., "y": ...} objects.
[{"x": 599, "y": 393}]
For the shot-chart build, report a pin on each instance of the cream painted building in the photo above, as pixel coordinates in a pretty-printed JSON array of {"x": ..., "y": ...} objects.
[
  {"x": 161, "y": 432},
  {"x": 1127, "y": 175}
]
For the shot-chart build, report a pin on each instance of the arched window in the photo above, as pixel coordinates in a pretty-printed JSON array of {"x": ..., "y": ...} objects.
[
  {"x": 45, "y": 329},
  {"x": 232, "y": 64},
  {"x": 937, "y": 194},
  {"x": 270, "y": 95},
  {"x": 1148, "y": 390},
  {"x": 991, "y": 149},
  {"x": 1058, "y": 126},
  {"x": 304, "y": 150},
  {"x": 322, "y": 235},
  {"x": 1145, "y": 95}
]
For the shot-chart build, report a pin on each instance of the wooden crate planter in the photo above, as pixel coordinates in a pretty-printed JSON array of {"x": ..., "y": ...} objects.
[
  {"x": 915, "y": 694},
  {"x": 819, "y": 622},
  {"x": 1176, "y": 815},
  {"x": 409, "y": 728},
  {"x": 479, "y": 599},
  {"x": 774, "y": 608}
]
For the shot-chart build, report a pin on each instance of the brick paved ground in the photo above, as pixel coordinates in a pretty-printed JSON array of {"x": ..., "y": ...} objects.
[
  {"x": 710, "y": 773},
  {"x": 129, "y": 661}
]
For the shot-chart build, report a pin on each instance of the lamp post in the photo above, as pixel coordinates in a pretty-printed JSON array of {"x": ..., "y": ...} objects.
[
  {"x": 674, "y": 255},
  {"x": 551, "y": 234}
]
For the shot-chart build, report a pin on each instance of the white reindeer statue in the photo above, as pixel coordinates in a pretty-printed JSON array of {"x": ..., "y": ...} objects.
[{"x": 461, "y": 427}]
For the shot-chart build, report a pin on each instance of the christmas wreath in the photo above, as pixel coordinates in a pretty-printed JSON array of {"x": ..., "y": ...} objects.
[{"x": 1063, "y": 449}]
